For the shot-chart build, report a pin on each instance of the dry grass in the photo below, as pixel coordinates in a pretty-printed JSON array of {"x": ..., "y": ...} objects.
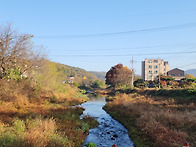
[
  {"x": 37, "y": 132},
  {"x": 31, "y": 116},
  {"x": 40, "y": 131},
  {"x": 7, "y": 107},
  {"x": 44, "y": 127},
  {"x": 164, "y": 122}
]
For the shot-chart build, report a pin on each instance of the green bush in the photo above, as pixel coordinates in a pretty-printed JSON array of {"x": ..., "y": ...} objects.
[
  {"x": 8, "y": 138},
  {"x": 57, "y": 140},
  {"x": 191, "y": 91},
  {"x": 85, "y": 127},
  {"x": 75, "y": 84},
  {"x": 90, "y": 144},
  {"x": 19, "y": 126},
  {"x": 139, "y": 83}
]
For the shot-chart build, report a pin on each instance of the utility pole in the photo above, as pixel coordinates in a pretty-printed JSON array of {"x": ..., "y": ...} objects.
[
  {"x": 159, "y": 75},
  {"x": 132, "y": 72}
]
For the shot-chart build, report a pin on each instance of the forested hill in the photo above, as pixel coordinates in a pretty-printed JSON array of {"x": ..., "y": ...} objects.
[
  {"x": 99, "y": 75},
  {"x": 79, "y": 74}
]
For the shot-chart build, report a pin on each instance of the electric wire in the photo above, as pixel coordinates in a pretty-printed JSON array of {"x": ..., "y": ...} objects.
[
  {"x": 187, "y": 65},
  {"x": 134, "y": 48},
  {"x": 124, "y": 55},
  {"x": 179, "y": 26}
]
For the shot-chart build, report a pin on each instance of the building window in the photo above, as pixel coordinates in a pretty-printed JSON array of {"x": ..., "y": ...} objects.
[
  {"x": 150, "y": 66},
  {"x": 155, "y": 71},
  {"x": 149, "y": 61},
  {"x": 180, "y": 74},
  {"x": 173, "y": 75},
  {"x": 150, "y": 71},
  {"x": 156, "y": 66},
  {"x": 155, "y": 61}
]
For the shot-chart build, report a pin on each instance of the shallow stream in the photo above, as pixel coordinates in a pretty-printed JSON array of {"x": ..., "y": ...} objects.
[{"x": 109, "y": 131}]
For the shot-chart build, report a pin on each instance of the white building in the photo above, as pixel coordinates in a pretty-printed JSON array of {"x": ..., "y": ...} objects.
[{"x": 151, "y": 68}]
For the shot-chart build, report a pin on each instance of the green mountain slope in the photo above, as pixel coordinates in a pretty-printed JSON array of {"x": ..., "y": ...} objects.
[
  {"x": 65, "y": 72},
  {"x": 99, "y": 75}
]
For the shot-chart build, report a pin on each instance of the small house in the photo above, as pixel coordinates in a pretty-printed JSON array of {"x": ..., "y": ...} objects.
[{"x": 176, "y": 73}]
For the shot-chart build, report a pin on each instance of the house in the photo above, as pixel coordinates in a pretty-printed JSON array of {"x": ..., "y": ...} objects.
[
  {"x": 176, "y": 73},
  {"x": 152, "y": 68},
  {"x": 69, "y": 80}
]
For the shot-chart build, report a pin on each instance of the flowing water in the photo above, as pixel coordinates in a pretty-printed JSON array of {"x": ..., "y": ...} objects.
[{"x": 109, "y": 131}]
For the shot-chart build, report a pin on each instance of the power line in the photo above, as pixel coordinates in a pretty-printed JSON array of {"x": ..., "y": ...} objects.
[
  {"x": 180, "y": 26},
  {"x": 134, "y": 48},
  {"x": 186, "y": 50},
  {"x": 187, "y": 65},
  {"x": 191, "y": 52}
]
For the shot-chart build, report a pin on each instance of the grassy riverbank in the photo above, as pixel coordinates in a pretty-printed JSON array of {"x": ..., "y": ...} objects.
[
  {"x": 41, "y": 117},
  {"x": 36, "y": 96},
  {"x": 156, "y": 120}
]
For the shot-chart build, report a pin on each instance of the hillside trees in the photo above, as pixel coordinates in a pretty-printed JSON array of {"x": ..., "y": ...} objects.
[
  {"x": 189, "y": 76},
  {"x": 118, "y": 76},
  {"x": 17, "y": 57}
]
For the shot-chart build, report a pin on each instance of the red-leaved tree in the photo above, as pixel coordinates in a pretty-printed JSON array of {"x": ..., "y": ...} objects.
[{"x": 118, "y": 76}]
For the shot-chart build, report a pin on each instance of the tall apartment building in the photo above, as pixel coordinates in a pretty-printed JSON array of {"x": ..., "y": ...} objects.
[{"x": 151, "y": 68}]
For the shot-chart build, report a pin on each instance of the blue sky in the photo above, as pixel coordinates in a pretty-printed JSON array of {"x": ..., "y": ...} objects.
[{"x": 97, "y": 34}]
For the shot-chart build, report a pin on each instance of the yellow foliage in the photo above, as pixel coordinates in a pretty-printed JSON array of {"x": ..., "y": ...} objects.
[
  {"x": 189, "y": 76},
  {"x": 126, "y": 67}
]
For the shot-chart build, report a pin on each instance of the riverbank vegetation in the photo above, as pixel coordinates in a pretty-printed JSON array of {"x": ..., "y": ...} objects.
[
  {"x": 35, "y": 102},
  {"x": 36, "y": 116},
  {"x": 156, "y": 117},
  {"x": 156, "y": 113}
]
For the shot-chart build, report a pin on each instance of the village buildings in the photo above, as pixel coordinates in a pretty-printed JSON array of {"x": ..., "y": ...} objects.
[{"x": 152, "y": 68}]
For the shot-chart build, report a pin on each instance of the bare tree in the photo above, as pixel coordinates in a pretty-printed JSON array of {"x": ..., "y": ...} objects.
[{"x": 16, "y": 53}]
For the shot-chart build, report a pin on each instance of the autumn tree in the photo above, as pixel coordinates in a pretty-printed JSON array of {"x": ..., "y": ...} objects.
[
  {"x": 17, "y": 56},
  {"x": 118, "y": 76},
  {"x": 189, "y": 76}
]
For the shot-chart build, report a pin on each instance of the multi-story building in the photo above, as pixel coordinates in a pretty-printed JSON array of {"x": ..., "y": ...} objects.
[{"x": 151, "y": 68}]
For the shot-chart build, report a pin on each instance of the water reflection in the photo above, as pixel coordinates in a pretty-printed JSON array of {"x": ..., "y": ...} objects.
[{"x": 109, "y": 131}]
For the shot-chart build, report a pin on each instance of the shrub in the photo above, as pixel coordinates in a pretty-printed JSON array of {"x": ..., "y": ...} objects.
[
  {"x": 57, "y": 140},
  {"x": 140, "y": 83},
  {"x": 19, "y": 126},
  {"x": 90, "y": 144},
  {"x": 11, "y": 137},
  {"x": 191, "y": 91},
  {"x": 75, "y": 84},
  {"x": 85, "y": 127},
  {"x": 7, "y": 138}
]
